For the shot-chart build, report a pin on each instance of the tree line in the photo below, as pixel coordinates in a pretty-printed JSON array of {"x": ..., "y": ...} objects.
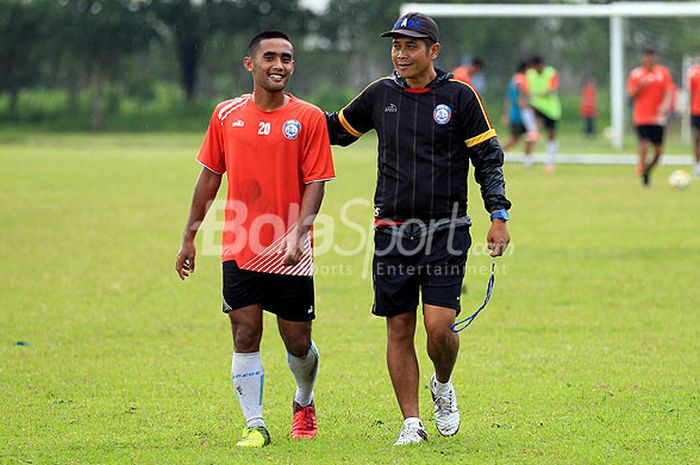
[{"x": 127, "y": 48}]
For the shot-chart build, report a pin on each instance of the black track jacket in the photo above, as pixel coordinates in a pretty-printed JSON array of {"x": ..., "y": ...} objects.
[{"x": 426, "y": 138}]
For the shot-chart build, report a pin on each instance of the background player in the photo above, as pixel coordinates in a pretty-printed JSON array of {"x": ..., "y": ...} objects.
[
  {"x": 543, "y": 95},
  {"x": 651, "y": 88},
  {"x": 519, "y": 115},
  {"x": 589, "y": 107},
  {"x": 694, "y": 86},
  {"x": 275, "y": 151},
  {"x": 429, "y": 126},
  {"x": 471, "y": 72}
]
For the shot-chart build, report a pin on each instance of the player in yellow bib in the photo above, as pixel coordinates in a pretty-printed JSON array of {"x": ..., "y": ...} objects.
[{"x": 543, "y": 92}]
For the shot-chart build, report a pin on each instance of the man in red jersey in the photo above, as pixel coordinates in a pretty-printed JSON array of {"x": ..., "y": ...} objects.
[
  {"x": 275, "y": 151},
  {"x": 694, "y": 86},
  {"x": 650, "y": 87}
]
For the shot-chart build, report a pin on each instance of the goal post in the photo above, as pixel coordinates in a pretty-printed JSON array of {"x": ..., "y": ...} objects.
[{"x": 616, "y": 12}]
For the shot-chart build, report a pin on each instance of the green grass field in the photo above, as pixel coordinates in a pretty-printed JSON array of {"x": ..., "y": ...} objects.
[{"x": 587, "y": 354}]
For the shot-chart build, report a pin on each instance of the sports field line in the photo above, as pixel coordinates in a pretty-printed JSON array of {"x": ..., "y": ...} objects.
[{"x": 601, "y": 159}]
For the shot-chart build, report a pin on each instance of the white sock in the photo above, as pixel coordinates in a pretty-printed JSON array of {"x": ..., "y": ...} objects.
[
  {"x": 441, "y": 389},
  {"x": 413, "y": 421},
  {"x": 529, "y": 120},
  {"x": 552, "y": 146},
  {"x": 248, "y": 376},
  {"x": 304, "y": 370}
]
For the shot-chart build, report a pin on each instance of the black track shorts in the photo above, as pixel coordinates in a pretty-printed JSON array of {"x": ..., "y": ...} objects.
[
  {"x": 651, "y": 132},
  {"x": 289, "y": 297},
  {"x": 410, "y": 259}
]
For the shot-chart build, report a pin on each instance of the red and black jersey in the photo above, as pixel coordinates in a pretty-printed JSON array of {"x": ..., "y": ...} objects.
[{"x": 426, "y": 138}]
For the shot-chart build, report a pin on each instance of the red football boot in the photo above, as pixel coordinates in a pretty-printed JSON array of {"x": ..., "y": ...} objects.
[{"x": 304, "y": 424}]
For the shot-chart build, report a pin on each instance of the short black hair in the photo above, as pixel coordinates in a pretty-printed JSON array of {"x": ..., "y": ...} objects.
[
  {"x": 478, "y": 61},
  {"x": 648, "y": 51},
  {"x": 522, "y": 66},
  {"x": 270, "y": 34},
  {"x": 535, "y": 60}
]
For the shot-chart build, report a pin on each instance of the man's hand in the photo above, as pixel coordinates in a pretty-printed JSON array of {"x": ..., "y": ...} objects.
[
  {"x": 292, "y": 248},
  {"x": 498, "y": 238},
  {"x": 184, "y": 265}
]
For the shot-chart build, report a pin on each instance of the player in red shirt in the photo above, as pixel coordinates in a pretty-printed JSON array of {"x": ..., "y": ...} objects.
[
  {"x": 694, "y": 86},
  {"x": 589, "y": 107},
  {"x": 467, "y": 72},
  {"x": 275, "y": 151},
  {"x": 651, "y": 88}
]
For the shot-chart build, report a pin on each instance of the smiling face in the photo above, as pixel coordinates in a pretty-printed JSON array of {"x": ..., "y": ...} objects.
[
  {"x": 271, "y": 64},
  {"x": 412, "y": 58}
]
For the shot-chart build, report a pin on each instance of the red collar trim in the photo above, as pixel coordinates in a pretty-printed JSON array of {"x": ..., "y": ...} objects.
[{"x": 418, "y": 90}]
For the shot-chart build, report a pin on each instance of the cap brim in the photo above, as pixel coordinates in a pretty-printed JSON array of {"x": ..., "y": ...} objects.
[{"x": 405, "y": 33}]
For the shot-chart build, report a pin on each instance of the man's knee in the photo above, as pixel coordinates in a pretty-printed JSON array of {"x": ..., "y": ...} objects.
[
  {"x": 247, "y": 333},
  {"x": 441, "y": 334},
  {"x": 296, "y": 337},
  {"x": 298, "y": 347},
  {"x": 401, "y": 328}
]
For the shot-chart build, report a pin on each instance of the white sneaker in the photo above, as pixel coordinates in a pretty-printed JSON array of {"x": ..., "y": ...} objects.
[
  {"x": 697, "y": 170},
  {"x": 446, "y": 411},
  {"x": 412, "y": 434}
]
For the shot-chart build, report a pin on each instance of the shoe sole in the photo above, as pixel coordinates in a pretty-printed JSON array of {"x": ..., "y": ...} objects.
[{"x": 303, "y": 436}]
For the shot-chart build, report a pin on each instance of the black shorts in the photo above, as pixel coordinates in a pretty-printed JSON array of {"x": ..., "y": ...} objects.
[
  {"x": 695, "y": 121},
  {"x": 548, "y": 122},
  {"x": 409, "y": 260},
  {"x": 652, "y": 133},
  {"x": 517, "y": 129},
  {"x": 289, "y": 297}
]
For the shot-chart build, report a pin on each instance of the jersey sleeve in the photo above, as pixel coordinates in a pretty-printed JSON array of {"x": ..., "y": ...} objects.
[
  {"x": 632, "y": 83},
  {"x": 317, "y": 160},
  {"x": 211, "y": 154},
  {"x": 670, "y": 86},
  {"x": 353, "y": 120},
  {"x": 694, "y": 80},
  {"x": 554, "y": 82},
  {"x": 476, "y": 126}
]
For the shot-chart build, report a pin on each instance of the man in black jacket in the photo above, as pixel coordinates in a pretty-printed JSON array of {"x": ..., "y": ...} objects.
[{"x": 429, "y": 127}]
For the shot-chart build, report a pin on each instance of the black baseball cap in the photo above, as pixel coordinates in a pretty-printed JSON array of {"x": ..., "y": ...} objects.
[{"x": 414, "y": 25}]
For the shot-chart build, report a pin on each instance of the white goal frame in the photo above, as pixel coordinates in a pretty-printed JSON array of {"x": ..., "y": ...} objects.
[{"x": 617, "y": 13}]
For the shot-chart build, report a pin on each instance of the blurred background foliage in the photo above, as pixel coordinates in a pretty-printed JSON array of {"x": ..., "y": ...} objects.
[{"x": 163, "y": 64}]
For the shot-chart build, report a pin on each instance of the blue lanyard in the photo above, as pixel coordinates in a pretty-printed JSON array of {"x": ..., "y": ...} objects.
[{"x": 462, "y": 324}]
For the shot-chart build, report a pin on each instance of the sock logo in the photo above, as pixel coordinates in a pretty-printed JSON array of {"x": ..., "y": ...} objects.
[{"x": 247, "y": 375}]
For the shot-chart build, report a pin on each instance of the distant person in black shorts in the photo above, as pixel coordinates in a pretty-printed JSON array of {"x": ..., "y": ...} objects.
[
  {"x": 694, "y": 86},
  {"x": 519, "y": 115},
  {"x": 429, "y": 126},
  {"x": 651, "y": 89},
  {"x": 543, "y": 95}
]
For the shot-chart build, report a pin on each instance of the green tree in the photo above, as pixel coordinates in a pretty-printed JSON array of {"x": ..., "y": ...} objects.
[
  {"x": 100, "y": 33},
  {"x": 23, "y": 32}
]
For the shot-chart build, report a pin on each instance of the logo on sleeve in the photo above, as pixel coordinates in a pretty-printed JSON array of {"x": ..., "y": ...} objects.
[
  {"x": 391, "y": 108},
  {"x": 291, "y": 129},
  {"x": 442, "y": 114}
]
